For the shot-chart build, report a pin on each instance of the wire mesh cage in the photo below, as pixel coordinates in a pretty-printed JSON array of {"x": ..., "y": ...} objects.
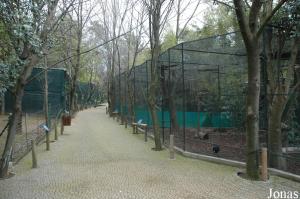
[{"x": 201, "y": 99}]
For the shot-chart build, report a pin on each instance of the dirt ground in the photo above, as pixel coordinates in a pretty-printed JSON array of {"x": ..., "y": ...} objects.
[{"x": 29, "y": 129}]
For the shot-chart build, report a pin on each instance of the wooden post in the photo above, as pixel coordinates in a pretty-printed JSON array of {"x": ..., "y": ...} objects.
[
  {"x": 62, "y": 127},
  {"x": 171, "y": 147},
  {"x": 133, "y": 129},
  {"x": 122, "y": 119},
  {"x": 47, "y": 140},
  {"x": 3, "y": 104},
  {"x": 106, "y": 110},
  {"x": 34, "y": 160},
  {"x": 264, "y": 164},
  {"x": 56, "y": 134},
  {"x": 146, "y": 132},
  {"x": 125, "y": 122}
]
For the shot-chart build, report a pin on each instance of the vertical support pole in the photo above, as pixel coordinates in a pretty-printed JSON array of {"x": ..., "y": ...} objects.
[
  {"x": 46, "y": 102},
  {"x": 47, "y": 141},
  {"x": 264, "y": 164},
  {"x": 162, "y": 73},
  {"x": 26, "y": 132},
  {"x": 125, "y": 98},
  {"x": 171, "y": 147},
  {"x": 146, "y": 133},
  {"x": 34, "y": 160},
  {"x": 169, "y": 90},
  {"x": 62, "y": 126},
  {"x": 219, "y": 97},
  {"x": 183, "y": 101},
  {"x": 3, "y": 104},
  {"x": 120, "y": 100},
  {"x": 147, "y": 93},
  {"x": 133, "y": 119}
]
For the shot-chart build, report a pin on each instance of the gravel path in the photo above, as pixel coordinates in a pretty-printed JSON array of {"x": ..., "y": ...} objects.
[{"x": 97, "y": 158}]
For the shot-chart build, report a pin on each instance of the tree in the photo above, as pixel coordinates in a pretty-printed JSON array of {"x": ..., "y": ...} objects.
[
  {"x": 135, "y": 47},
  {"x": 156, "y": 23},
  {"x": 180, "y": 9},
  {"x": 81, "y": 18},
  {"x": 28, "y": 25},
  {"x": 251, "y": 27},
  {"x": 281, "y": 87}
]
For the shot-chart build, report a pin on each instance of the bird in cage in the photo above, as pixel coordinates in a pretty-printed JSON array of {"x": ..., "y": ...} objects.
[{"x": 216, "y": 148}]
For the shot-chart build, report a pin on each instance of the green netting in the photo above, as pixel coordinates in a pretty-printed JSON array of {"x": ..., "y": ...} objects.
[
  {"x": 203, "y": 89},
  {"x": 33, "y": 99},
  {"x": 88, "y": 94}
]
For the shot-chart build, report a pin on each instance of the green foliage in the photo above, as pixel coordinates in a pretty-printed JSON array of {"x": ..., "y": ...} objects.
[
  {"x": 20, "y": 26},
  {"x": 168, "y": 41},
  {"x": 143, "y": 56},
  {"x": 218, "y": 20}
]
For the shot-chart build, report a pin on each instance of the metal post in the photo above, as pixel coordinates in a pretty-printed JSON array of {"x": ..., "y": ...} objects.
[
  {"x": 133, "y": 119},
  {"x": 34, "y": 160},
  {"x": 169, "y": 90},
  {"x": 183, "y": 101},
  {"x": 147, "y": 92},
  {"x": 46, "y": 103},
  {"x": 120, "y": 100},
  {"x": 219, "y": 96},
  {"x": 171, "y": 147},
  {"x": 162, "y": 73},
  {"x": 264, "y": 164}
]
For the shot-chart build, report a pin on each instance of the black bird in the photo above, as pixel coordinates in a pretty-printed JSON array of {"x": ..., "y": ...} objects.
[{"x": 216, "y": 148}]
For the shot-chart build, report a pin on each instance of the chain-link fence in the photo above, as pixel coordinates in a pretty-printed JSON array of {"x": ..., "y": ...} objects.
[
  {"x": 31, "y": 124},
  {"x": 202, "y": 98}
]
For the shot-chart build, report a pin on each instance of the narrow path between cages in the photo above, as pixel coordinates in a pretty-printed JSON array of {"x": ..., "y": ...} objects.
[{"x": 98, "y": 158}]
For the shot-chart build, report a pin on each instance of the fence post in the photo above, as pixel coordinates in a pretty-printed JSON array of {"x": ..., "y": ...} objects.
[
  {"x": 146, "y": 134},
  {"x": 264, "y": 164},
  {"x": 55, "y": 135},
  {"x": 122, "y": 119},
  {"x": 62, "y": 127},
  {"x": 3, "y": 104},
  {"x": 171, "y": 147},
  {"x": 47, "y": 140},
  {"x": 34, "y": 160},
  {"x": 126, "y": 122}
]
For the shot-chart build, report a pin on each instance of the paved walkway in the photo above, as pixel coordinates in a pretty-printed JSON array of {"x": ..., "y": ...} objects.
[{"x": 97, "y": 158}]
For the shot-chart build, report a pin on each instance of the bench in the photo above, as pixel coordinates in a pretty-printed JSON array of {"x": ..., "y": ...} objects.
[
  {"x": 115, "y": 114},
  {"x": 140, "y": 127}
]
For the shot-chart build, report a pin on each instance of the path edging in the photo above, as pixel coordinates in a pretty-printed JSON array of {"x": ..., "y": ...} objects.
[{"x": 232, "y": 163}]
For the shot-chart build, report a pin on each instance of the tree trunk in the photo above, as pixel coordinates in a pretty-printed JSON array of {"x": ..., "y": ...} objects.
[
  {"x": 173, "y": 116},
  {"x": 252, "y": 123},
  {"x": 17, "y": 113},
  {"x": 275, "y": 133},
  {"x": 152, "y": 107}
]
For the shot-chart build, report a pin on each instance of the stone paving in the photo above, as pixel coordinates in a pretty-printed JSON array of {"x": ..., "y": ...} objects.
[{"x": 97, "y": 158}]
